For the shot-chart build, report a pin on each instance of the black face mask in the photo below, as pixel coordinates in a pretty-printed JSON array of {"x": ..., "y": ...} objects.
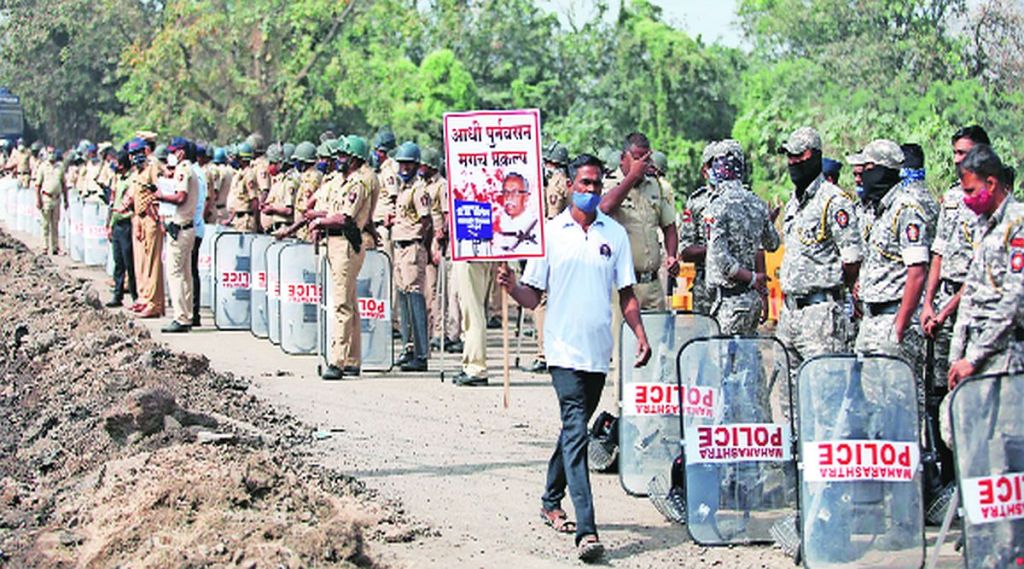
[
  {"x": 803, "y": 173},
  {"x": 877, "y": 181}
]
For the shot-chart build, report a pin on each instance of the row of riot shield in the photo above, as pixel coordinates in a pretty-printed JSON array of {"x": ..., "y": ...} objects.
[
  {"x": 281, "y": 290},
  {"x": 9, "y": 200}
]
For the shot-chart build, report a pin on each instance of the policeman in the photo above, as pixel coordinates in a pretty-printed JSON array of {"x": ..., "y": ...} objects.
[
  {"x": 823, "y": 253},
  {"x": 243, "y": 199},
  {"x": 119, "y": 229},
  {"x": 309, "y": 178},
  {"x": 348, "y": 227},
  {"x": 739, "y": 226},
  {"x": 34, "y": 161},
  {"x": 182, "y": 234},
  {"x": 437, "y": 188},
  {"x": 693, "y": 234},
  {"x": 49, "y": 195},
  {"x": 278, "y": 209},
  {"x": 556, "y": 184},
  {"x": 895, "y": 258},
  {"x": 387, "y": 174},
  {"x": 411, "y": 235},
  {"x": 148, "y": 244},
  {"x": 220, "y": 174}
]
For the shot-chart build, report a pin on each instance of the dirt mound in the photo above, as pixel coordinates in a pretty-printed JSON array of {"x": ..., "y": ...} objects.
[{"x": 117, "y": 452}]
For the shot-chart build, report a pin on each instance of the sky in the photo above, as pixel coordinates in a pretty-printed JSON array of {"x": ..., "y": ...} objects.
[{"x": 712, "y": 20}]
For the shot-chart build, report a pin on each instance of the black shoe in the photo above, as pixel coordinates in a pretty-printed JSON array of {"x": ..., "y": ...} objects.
[
  {"x": 494, "y": 323},
  {"x": 466, "y": 380},
  {"x": 396, "y": 334},
  {"x": 175, "y": 327},
  {"x": 405, "y": 358},
  {"x": 197, "y": 323},
  {"x": 351, "y": 371},
  {"x": 114, "y": 303},
  {"x": 453, "y": 347},
  {"x": 539, "y": 366},
  {"x": 414, "y": 364},
  {"x": 332, "y": 373},
  {"x": 435, "y": 343}
]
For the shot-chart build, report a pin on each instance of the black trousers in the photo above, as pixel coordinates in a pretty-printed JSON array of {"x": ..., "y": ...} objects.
[
  {"x": 195, "y": 279},
  {"x": 121, "y": 246}
]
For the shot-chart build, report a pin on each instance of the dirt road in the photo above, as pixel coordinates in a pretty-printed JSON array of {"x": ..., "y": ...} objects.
[{"x": 457, "y": 462}]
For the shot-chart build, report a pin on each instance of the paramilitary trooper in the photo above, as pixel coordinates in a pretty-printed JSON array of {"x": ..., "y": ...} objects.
[
  {"x": 410, "y": 236},
  {"x": 823, "y": 253},
  {"x": 693, "y": 235},
  {"x": 739, "y": 227},
  {"x": 349, "y": 230}
]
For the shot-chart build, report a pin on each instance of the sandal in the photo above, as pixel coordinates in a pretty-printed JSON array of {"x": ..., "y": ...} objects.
[
  {"x": 589, "y": 549},
  {"x": 558, "y": 520}
]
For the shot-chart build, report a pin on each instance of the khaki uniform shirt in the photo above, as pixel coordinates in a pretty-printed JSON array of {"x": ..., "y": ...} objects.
[
  {"x": 897, "y": 240},
  {"x": 389, "y": 183},
  {"x": 282, "y": 194},
  {"x": 51, "y": 183},
  {"x": 309, "y": 183},
  {"x": 437, "y": 189},
  {"x": 821, "y": 234},
  {"x": 992, "y": 307},
  {"x": 354, "y": 196},
  {"x": 413, "y": 205},
  {"x": 954, "y": 237},
  {"x": 143, "y": 188},
  {"x": 185, "y": 181},
  {"x": 642, "y": 213},
  {"x": 261, "y": 168},
  {"x": 556, "y": 193},
  {"x": 243, "y": 191},
  {"x": 225, "y": 176}
]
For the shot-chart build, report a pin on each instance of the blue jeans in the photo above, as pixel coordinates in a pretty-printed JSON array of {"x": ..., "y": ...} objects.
[{"x": 578, "y": 395}]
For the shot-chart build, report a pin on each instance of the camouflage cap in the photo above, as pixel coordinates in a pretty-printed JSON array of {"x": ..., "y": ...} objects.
[
  {"x": 726, "y": 147},
  {"x": 881, "y": 152},
  {"x": 709, "y": 152},
  {"x": 802, "y": 139}
]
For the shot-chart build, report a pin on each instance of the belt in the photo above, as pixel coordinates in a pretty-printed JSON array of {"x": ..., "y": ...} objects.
[
  {"x": 121, "y": 221},
  {"x": 221, "y": 206},
  {"x": 182, "y": 227},
  {"x": 242, "y": 213},
  {"x": 730, "y": 291},
  {"x": 879, "y": 308},
  {"x": 644, "y": 277},
  {"x": 278, "y": 225},
  {"x": 794, "y": 302},
  {"x": 950, "y": 287},
  {"x": 404, "y": 244}
]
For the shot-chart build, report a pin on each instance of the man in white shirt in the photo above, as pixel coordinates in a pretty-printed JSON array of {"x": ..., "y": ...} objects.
[{"x": 588, "y": 253}]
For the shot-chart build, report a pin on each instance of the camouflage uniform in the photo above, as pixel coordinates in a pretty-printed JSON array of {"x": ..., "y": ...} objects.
[
  {"x": 693, "y": 234},
  {"x": 821, "y": 235},
  {"x": 954, "y": 242},
  {"x": 739, "y": 226}
]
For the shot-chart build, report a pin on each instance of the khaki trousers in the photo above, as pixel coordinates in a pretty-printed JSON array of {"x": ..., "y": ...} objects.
[
  {"x": 179, "y": 274},
  {"x": 451, "y": 328},
  {"x": 472, "y": 280},
  {"x": 411, "y": 268},
  {"x": 344, "y": 264},
  {"x": 151, "y": 283},
  {"x": 51, "y": 222}
]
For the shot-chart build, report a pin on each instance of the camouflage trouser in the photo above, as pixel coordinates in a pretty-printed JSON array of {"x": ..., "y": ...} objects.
[
  {"x": 1010, "y": 361},
  {"x": 877, "y": 335},
  {"x": 702, "y": 297},
  {"x": 943, "y": 336},
  {"x": 814, "y": 330},
  {"x": 739, "y": 314}
]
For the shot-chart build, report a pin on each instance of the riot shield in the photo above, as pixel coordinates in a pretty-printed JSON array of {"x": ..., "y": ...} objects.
[
  {"x": 740, "y": 477},
  {"x": 24, "y": 213},
  {"x": 274, "y": 291},
  {"x": 258, "y": 307},
  {"x": 11, "y": 203},
  {"x": 7, "y": 185},
  {"x": 988, "y": 443},
  {"x": 860, "y": 487},
  {"x": 204, "y": 263},
  {"x": 649, "y": 426},
  {"x": 94, "y": 227},
  {"x": 300, "y": 296},
  {"x": 373, "y": 291},
  {"x": 232, "y": 283},
  {"x": 76, "y": 237}
]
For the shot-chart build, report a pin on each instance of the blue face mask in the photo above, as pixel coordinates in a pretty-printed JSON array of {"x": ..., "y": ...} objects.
[
  {"x": 586, "y": 201},
  {"x": 322, "y": 166},
  {"x": 406, "y": 177},
  {"x": 860, "y": 192}
]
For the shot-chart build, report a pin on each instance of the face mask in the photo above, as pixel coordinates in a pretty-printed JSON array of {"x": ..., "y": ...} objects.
[
  {"x": 803, "y": 173},
  {"x": 423, "y": 174},
  {"x": 586, "y": 201},
  {"x": 860, "y": 192},
  {"x": 979, "y": 201},
  {"x": 912, "y": 174},
  {"x": 342, "y": 165},
  {"x": 273, "y": 169},
  {"x": 322, "y": 166},
  {"x": 172, "y": 160},
  {"x": 712, "y": 178},
  {"x": 877, "y": 181},
  {"x": 406, "y": 177}
]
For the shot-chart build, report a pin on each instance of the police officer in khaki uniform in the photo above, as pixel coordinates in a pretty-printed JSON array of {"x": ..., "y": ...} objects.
[
  {"x": 347, "y": 224},
  {"x": 309, "y": 179},
  {"x": 448, "y": 330},
  {"x": 243, "y": 200},
  {"x": 411, "y": 235},
  {"x": 387, "y": 175},
  {"x": 49, "y": 195},
  {"x": 278, "y": 209},
  {"x": 220, "y": 174},
  {"x": 182, "y": 234}
]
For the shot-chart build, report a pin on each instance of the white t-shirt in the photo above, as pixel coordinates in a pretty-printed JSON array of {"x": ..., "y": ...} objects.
[{"x": 578, "y": 273}]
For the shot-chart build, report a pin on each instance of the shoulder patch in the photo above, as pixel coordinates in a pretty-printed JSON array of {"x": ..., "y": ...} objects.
[
  {"x": 842, "y": 218},
  {"x": 1017, "y": 242},
  {"x": 425, "y": 199},
  {"x": 1017, "y": 261},
  {"x": 913, "y": 232},
  {"x": 687, "y": 215}
]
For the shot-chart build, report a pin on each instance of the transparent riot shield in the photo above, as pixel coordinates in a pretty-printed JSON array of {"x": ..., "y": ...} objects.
[
  {"x": 373, "y": 292},
  {"x": 300, "y": 296},
  {"x": 988, "y": 441},
  {"x": 258, "y": 307},
  {"x": 274, "y": 290},
  {"x": 7, "y": 185},
  {"x": 739, "y": 475},
  {"x": 76, "y": 237},
  {"x": 649, "y": 426},
  {"x": 204, "y": 263},
  {"x": 11, "y": 203},
  {"x": 94, "y": 227},
  {"x": 24, "y": 213},
  {"x": 860, "y": 487},
  {"x": 232, "y": 283}
]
